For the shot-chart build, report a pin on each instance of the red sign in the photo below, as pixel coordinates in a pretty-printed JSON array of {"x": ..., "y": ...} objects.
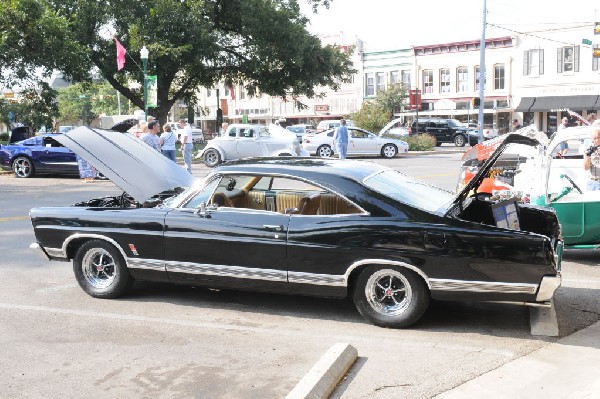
[
  {"x": 414, "y": 99},
  {"x": 321, "y": 108}
]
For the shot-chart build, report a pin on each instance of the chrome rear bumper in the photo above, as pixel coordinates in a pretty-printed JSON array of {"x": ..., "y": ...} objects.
[{"x": 548, "y": 287}]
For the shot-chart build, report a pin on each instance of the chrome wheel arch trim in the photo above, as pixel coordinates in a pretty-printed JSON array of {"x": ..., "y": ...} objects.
[
  {"x": 95, "y": 237},
  {"x": 385, "y": 262}
]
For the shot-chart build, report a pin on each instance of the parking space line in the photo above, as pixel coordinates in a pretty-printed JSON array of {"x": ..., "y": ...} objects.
[{"x": 8, "y": 219}]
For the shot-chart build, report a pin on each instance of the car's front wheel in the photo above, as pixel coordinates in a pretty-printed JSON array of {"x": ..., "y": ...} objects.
[
  {"x": 389, "y": 151},
  {"x": 23, "y": 167},
  {"x": 325, "y": 151},
  {"x": 390, "y": 296},
  {"x": 100, "y": 270},
  {"x": 212, "y": 158},
  {"x": 459, "y": 140}
]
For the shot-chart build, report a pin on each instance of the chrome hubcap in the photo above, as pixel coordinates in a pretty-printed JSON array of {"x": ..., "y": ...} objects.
[
  {"x": 211, "y": 158},
  {"x": 99, "y": 268},
  {"x": 22, "y": 167},
  {"x": 325, "y": 152},
  {"x": 389, "y": 151},
  {"x": 388, "y": 292}
]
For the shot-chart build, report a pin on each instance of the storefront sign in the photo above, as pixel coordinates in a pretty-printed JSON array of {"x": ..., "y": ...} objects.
[{"x": 322, "y": 108}]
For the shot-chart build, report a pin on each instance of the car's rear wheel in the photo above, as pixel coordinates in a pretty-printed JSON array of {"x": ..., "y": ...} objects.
[
  {"x": 212, "y": 158},
  {"x": 390, "y": 296},
  {"x": 23, "y": 167},
  {"x": 389, "y": 151},
  {"x": 459, "y": 140},
  {"x": 325, "y": 151},
  {"x": 100, "y": 270}
]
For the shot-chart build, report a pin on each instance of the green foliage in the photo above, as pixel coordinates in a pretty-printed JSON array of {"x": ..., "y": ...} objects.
[
  {"x": 420, "y": 142},
  {"x": 371, "y": 116},
  {"x": 392, "y": 99},
  {"x": 262, "y": 44},
  {"x": 36, "y": 107},
  {"x": 86, "y": 101},
  {"x": 4, "y": 138}
]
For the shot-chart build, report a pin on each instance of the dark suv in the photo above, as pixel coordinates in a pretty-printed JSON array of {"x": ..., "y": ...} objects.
[{"x": 445, "y": 131}]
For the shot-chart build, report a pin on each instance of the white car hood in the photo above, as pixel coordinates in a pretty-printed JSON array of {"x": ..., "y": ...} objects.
[{"x": 127, "y": 161}]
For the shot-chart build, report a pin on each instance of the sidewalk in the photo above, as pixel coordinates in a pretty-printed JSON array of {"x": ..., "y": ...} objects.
[{"x": 568, "y": 368}]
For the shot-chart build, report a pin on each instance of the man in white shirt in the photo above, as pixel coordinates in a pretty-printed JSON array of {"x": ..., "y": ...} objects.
[{"x": 186, "y": 144}]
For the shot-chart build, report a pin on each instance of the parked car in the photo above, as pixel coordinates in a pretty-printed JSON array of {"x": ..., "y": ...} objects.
[
  {"x": 65, "y": 128},
  {"x": 38, "y": 155},
  {"x": 301, "y": 130},
  {"x": 304, "y": 226},
  {"x": 545, "y": 177},
  {"x": 331, "y": 123},
  {"x": 362, "y": 142},
  {"x": 445, "y": 131},
  {"x": 250, "y": 140},
  {"x": 197, "y": 135}
]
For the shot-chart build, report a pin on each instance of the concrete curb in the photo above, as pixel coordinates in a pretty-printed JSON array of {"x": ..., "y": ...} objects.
[{"x": 322, "y": 379}]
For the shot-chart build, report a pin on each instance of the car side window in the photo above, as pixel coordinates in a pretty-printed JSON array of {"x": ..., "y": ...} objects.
[
  {"x": 233, "y": 132},
  {"x": 330, "y": 134},
  {"x": 442, "y": 125},
  {"x": 203, "y": 195}
]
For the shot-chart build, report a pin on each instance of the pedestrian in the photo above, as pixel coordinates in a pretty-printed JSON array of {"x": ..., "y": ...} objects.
[
  {"x": 340, "y": 138},
  {"x": 563, "y": 147},
  {"x": 515, "y": 125},
  {"x": 224, "y": 127},
  {"x": 591, "y": 162},
  {"x": 591, "y": 118},
  {"x": 151, "y": 138},
  {"x": 186, "y": 144},
  {"x": 167, "y": 142}
]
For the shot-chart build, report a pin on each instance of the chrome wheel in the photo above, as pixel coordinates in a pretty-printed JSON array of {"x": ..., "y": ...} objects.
[
  {"x": 212, "y": 158},
  {"x": 459, "y": 140},
  {"x": 388, "y": 292},
  {"x": 389, "y": 151},
  {"x": 22, "y": 167},
  {"x": 324, "y": 151},
  {"x": 99, "y": 268}
]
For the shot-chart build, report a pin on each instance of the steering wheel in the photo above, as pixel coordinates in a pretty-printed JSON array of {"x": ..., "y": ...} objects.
[
  {"x": 575, "y": 186},
  {"x": 222, "y": 200}
]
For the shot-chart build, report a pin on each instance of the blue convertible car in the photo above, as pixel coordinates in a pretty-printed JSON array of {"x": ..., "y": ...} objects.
[{"x": 38, "y": 154}]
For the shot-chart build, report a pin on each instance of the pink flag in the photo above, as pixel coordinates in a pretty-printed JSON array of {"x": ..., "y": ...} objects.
[
  {"x": 120, "y": 54},
  {"x": 232, "y": 91}
]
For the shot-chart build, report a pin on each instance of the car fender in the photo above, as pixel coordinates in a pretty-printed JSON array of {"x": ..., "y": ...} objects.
[{"x": 214, "y": 147}]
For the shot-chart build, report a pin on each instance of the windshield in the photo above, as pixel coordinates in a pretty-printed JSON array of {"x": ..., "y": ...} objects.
[{"x": 410, "y": 190}]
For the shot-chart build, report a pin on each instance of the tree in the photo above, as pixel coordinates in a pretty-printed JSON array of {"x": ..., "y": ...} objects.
[
  {"x": 262, "y": 44},
  {"x": 35, "y": 107},
  {"x": 392, "y": 99},
  {"x": 86, "y": 101}
]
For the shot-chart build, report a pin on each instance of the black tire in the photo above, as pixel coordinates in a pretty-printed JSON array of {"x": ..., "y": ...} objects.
[
  {"x": 325, "y": 151},
  {"x": 460, "y": 140},
  {"x": 23, "y": 167},
  {"x": 389, "y": 151},
  {"x": 100, "y": 270},
  {"x": 212, "y": 158},
  {"x": 390, "y": 296}
]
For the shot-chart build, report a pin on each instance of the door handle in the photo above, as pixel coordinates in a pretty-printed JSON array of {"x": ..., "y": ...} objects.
[{"x": 276, "y": 227}]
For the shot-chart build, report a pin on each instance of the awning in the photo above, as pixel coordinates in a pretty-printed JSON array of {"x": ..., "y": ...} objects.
[
  {"x": 525, "y": 104},
  {"x": 555, "y": 103}
]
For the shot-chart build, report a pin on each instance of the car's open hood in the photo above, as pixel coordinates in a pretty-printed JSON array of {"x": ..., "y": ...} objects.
[
  {"x": 499, "y": 147},
  {"x": 128, "y": 162}
]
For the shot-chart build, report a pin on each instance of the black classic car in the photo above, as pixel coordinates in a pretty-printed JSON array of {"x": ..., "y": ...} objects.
[{"x": 304, "y": 226}]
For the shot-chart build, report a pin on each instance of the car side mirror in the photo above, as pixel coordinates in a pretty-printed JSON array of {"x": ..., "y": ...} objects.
[{"x": 201, "y": 210}]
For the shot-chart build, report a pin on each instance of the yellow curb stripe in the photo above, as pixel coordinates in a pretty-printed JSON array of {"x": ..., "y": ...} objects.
[{"x": 14, "y": 218}]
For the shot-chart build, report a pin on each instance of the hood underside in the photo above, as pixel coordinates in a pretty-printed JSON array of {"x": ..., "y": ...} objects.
[{"x": 131, "y": 164}]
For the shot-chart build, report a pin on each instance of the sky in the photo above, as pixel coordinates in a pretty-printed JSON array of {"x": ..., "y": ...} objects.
[{"x": 393, "y": 24}]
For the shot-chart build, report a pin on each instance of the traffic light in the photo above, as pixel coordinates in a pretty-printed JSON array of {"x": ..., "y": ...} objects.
[
  {"x": 475, "y": 102},
  {"x": 597, "y": 28},
  {"x": 596, "y": 52}
]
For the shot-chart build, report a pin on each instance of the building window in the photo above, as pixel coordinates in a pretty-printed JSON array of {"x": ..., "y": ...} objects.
[
  {"x": 533, "y": 62},
  {"x": 241, "y": 92},
  {"x": 444, "y": 80},
  {"x": 406, "y": 79},
  {"x": 380, "y": 82},
  {"x": 595, "y": 59},
  {"x": 208, "y": 92},
  {"x": 499, "y": 77},
  {"x": 394, "y": 78},
  {"x": 369, "y": 84},
  {"x": 462, "y": 79},
  {"x": 567, "y": 59},
  {"x": 477, "y": 79},
  {"x": 427, "y": 80}
]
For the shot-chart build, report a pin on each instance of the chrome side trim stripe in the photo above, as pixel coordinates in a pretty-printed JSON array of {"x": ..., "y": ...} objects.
[
  {"x": 96, "y": 230},
  {"x": 317, "y": 279},
  {"x": 147, "y": 264},
  {"x": 482, "y": 286},
  {"x": 227, "y": 271}
]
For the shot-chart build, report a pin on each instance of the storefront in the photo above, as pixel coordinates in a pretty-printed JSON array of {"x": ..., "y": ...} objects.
[{"x": 545, "y": 111}]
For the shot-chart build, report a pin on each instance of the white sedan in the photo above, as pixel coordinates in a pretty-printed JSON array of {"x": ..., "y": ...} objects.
[{"x": 362, "y": 142}]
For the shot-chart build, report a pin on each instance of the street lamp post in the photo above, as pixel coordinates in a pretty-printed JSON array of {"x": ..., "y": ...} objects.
[{"x": 144, "y": 57}]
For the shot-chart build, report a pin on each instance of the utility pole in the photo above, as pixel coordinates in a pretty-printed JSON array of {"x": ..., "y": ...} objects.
[{"x": 482, "y": 75}]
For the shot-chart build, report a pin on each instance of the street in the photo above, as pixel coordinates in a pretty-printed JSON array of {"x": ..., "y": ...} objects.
[{"x": 178, "y": 341}]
